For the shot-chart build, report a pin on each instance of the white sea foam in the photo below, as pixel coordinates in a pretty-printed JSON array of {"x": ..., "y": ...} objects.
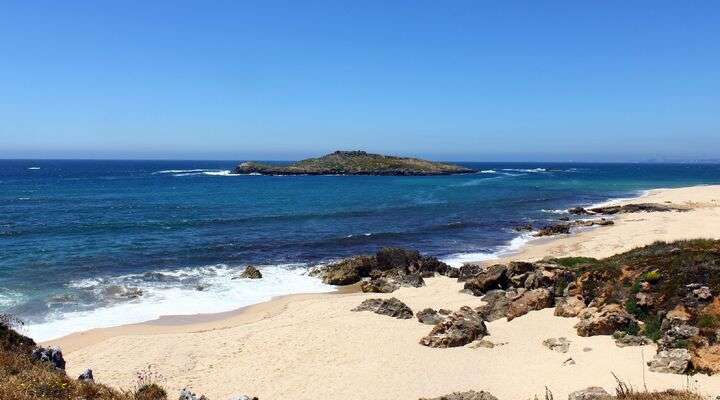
[
  {"x": 531, "y": 170},
  {"x": 220, "y": 173},
  {"x": 458, "y": 259},
  {"x": 556, "y": 211},
  {"x": 9, "y": 298},
  {"x": 34, "y": 168},
  {"x": 181, "y": 171},
  {"x": 219, "y": 293},
  {"x": 488, "y": 171}
]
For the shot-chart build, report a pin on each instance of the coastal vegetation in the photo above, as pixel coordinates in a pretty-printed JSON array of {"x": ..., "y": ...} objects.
[{"x": 354, "y": 163}]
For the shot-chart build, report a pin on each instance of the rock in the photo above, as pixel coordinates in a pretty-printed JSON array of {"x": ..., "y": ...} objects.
[
  {"x": 495, "y": 277},
  {"x": 530, "y": 300},
  {"x": 251, "y": 273},
  {"x": 119, "y": 292},
  {"x": 348, "y": 271},
  {"x": 645, "y": 299},
  {"x": 458, "y": 329},
  {"x": 623, "y": 339},
  {"x": 568, "y": 362},
  {"x": 495, "y": 307},
  {"x": 677, "y": 336},
  {"x": 411, "y": 280},
  {"x": 429, "y": 316},
  {"x": 389, "y": 258},
  {"x": 539, "y": 279},
  {"x": 470, "y": 395},
  {"x": 702, "y": 293},
  {"x": 569, "y": 307},
  {"x": 444, "y": 311},
  {"x": 519, "y": 268},
  {"x": 604, "y": 222},
  {"x": 523, "y": 228},
  {"x": 243, "y": 397},
  {"x": 200, "y": 287},
  {"x": 674, "y": 361},
  {"x": 560, "y": 345},
  {"x": 391, "y": 307},
  {"x": 579, "y": 211},
  {"x": 557, "y": 229},
  {"x": 379, "y": 285},
  {"x": 707, "y": 359},
  {"x": 486, "y": 344},
  {"x": 468, "y": 271},
  {"x": 591, "y": 393},
  {"x": 86, "y": 376},
  {"x": 451, "y": 272},
  {"x": 604, "y": 321},
  {"x": 186, "y": 394},
  {"x": 51, "y": 354},
  {"x": 635, "y": 208}
]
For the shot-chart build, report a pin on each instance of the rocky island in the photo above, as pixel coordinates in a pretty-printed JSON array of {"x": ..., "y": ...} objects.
[{"x": 354, "y": 163}]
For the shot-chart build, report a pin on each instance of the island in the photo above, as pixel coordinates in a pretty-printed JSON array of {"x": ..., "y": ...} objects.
[{"x": 354, "y": 163}]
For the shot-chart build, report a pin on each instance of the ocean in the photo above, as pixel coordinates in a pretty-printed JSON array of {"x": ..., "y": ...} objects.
[{"x": 86, "y": 244}]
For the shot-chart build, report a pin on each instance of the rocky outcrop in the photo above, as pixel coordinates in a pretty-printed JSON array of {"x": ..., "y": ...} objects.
[
  {"x": 51, "y": 355},
  {"x": 674, "y": 361},
  {"x": 569, "y": 307},
  {"x": 551, "y": 230},
  {"x": 529, "y": 300},
  {"x": 251, "y": 273},
  {"x": 458, "y": 329},
  {"x": 635, "y": 208},
  {"x": 348, "y": 271},
  {"x": 591, "y": 393},
  {"x": 391, "y": 307},
  {"x": 468, "y": 271},
  {"x": 379, "y": 285},
  {"x": 707, "y": 358},
  {"x": 495, "y": 307},
  {"x": 429, "y": 316},
  {"x": 603, "y": 321},
  {"x": 494, "y": 277},
  {"x": 470, "y": 395}
]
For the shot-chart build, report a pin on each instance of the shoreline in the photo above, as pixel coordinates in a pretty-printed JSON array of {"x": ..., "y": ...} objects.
[{"x": 277, "y": 347}]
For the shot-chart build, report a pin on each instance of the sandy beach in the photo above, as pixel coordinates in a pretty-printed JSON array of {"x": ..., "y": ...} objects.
[{"x": 314, "y": 347}]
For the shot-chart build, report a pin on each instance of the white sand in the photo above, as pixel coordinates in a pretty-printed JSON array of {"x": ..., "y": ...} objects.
[{"x": 314, "y": 347}]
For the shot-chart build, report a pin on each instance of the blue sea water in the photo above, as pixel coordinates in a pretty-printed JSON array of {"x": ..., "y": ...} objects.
[{"x": 78, "y": 239}]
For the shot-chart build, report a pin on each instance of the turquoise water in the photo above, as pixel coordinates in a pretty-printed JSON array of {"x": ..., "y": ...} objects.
[{"x": 76, "y": 236}]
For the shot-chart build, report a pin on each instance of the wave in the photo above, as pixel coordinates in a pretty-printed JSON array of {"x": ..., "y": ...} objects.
[
  {"x": 136, "y": 298},
  {"x": 34, "y": 168},
  {"x": 488, "y": 171},
  {"x": 529, "y": 170},
  {"x": 557, "y": 211},
  {"x": 458, "y": 259},
  {"x": 9, "y": 298},
  {"x": 181, "y": 171}
]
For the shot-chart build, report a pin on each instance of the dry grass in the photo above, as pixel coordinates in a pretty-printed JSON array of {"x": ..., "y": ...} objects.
[{"x": 22, "y": 378}]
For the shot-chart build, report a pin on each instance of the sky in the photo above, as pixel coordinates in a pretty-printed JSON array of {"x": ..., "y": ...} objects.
[{"x": 282, "y": 80}]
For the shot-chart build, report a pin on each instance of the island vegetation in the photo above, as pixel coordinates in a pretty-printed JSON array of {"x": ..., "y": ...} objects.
[{"x": 354, "y": 163}]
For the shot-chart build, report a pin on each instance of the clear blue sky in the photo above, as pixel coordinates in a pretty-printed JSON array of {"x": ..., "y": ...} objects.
[{"x": 457, "y": 80}]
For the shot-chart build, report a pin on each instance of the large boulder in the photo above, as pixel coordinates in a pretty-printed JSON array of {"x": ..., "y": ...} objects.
[
  {"x": 467, "y": 271},
  {"x": 569, "y": 307},
  {"x": 458, "y": 329},
  {"x": 551, "y": 230},
  {"x": 677, "y": 336},
  {"x": 379, "y": 285},
  {"x": 52, "y": 355},
  {"x": 603, "y": 321},
  {"x": 591, "y": 393},
  {"x": 495, "y": 307},
  {"x": 469, "y": 395},
  {"x": 674, "y": 361},
  {"x": 87, "y": 376},
  {"x": 391, "y": 307},
  {"x": 251, "y": 273},
  {"x": 348, "y": 271},
  {"x": 494, "y": 277},
  {"x": 529, "y": 300}
]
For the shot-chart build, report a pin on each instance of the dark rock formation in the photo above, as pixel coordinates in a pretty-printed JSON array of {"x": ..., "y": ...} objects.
[
  {"x": 391, "y": 307},
  {"x": 86, "y": 376},
  {"x": 354, "y": 163},
  {"x": 379, "y": 285},
  {"x": 634, "y": 208},
  {"x": 591, "y": 393},
  {"x": 495, "y": 307},
  {"x": 468, "y": 271},
  {"x": 429, "y": 316},
  {"x": 494, "y": 277},
  {"x": 251, "y": 273},
  {"x": 52, "y": 355},
  {"x": 557, "y": 229},
  {"x": 458, "y": 329}
]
